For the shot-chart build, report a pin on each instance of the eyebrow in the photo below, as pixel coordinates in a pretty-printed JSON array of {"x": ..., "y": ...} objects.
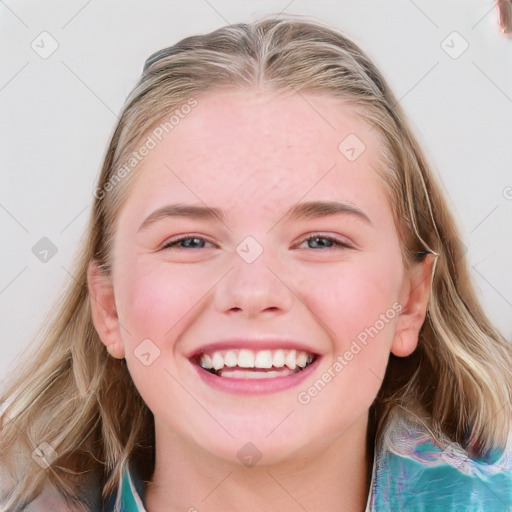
[
  {"x": 183, "y": 210},
  {"x": 314, "y": 209},
  {"x": 301, "y": 211}
]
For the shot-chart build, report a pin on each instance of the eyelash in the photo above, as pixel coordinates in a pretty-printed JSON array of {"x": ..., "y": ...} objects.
[{"x": 336, "y": 242}]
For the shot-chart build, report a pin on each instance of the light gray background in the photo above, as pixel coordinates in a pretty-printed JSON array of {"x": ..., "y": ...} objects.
[{"x": 58, "y": 113}]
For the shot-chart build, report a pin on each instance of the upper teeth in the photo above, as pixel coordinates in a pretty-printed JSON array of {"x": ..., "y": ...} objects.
[{"x": 264, "y": 359}]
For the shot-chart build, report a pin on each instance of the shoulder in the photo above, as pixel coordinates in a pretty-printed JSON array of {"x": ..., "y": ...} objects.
[
  {"x": 129, "y": 496},
  {"x": 411, "y": 471},
  {"x": 50, "y": 499}
]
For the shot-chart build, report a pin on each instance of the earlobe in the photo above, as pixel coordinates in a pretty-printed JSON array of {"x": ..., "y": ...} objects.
[
  {"x": 412, "y": 316},
  {"x": 103, "y": 310}
]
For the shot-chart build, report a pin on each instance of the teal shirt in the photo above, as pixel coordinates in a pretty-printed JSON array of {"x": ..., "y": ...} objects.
[
  {"x": 131, "y": 500},
  {"x": 411, "y": 473}
]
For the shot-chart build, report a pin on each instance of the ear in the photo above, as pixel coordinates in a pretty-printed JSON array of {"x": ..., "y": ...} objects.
[
  {"x": 103, "y": 310},
  {"x": 415, "y": 295}
]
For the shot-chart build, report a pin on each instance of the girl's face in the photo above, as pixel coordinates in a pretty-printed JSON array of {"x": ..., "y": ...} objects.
[{"x": 258, "y": 234}]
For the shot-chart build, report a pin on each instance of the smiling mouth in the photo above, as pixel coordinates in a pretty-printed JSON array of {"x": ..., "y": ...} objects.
[{"x": 255, "y": 364}]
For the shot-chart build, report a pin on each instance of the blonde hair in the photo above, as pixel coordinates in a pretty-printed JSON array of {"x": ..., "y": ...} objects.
[{"x": 80, "y": 401}]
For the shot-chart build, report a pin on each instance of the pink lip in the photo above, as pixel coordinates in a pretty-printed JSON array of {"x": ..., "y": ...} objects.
[
  {"x": 253, "y": 344},
  {"x": 255, "y": 386}
]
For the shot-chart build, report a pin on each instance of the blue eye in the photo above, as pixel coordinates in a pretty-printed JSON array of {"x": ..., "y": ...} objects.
[
  {"x": 325, "y": 242},
  {"x": 314, "y": 242},
  {"x": 188, "y": 242}
]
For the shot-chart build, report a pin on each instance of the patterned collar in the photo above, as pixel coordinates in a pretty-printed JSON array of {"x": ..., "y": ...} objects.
[{"x": 132, "y": 492}]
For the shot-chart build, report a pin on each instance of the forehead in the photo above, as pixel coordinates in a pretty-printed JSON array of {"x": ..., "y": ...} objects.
[{"x": 260, "y": 148}]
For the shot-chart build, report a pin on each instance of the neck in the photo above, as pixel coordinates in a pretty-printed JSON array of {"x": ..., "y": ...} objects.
[{"x": 332, "y": 479}]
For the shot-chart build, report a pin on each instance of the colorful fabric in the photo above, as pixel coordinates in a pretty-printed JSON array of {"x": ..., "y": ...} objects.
[{"x": 412, "y": 474}]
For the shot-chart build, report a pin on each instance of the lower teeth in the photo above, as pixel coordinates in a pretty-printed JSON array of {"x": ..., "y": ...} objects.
[{"x": 244, "y": 373}]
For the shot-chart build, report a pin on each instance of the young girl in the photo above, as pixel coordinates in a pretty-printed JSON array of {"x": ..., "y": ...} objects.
[{"x": 271, "y": 309}]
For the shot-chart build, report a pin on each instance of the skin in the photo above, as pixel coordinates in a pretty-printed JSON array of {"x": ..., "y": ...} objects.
[{"x": 255, "y": 154}]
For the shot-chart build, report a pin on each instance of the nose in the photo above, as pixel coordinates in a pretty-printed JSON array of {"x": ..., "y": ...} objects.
[{"x": 253, "y": 289}]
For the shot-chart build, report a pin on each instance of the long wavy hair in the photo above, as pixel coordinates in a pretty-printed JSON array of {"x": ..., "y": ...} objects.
[{"x": 78, "y": 404}]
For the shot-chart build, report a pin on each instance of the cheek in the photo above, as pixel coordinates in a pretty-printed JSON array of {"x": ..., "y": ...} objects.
[
  {"x": 156, "y": 302},
  {"x": 355, "y": 304},
  {"x": 155, "y": 297},
  {"x": 358, "y": 300}
]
